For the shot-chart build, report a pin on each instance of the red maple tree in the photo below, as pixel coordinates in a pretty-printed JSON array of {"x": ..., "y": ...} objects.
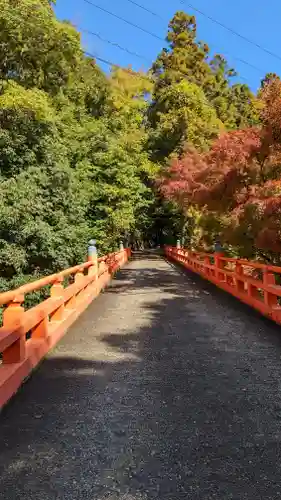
[{"x": 239, "y": 177}]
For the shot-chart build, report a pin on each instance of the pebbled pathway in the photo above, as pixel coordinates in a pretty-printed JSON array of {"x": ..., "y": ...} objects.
[{"x": 165, "y": 389}]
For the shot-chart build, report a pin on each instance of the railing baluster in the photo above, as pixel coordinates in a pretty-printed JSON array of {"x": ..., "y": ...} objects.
[
  {"x": 12, "y": 318},
  {"x": 269, "y": 298},
  {"x": 206, "y": 263},
  {"x": 57, "y": 291},
  {"x": 240, "y": 286},
  {"x": 219, "y": 264},
  {"x": 41, "y": 331}
]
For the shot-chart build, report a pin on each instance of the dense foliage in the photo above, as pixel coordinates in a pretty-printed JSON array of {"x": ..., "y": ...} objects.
[
  {"x": 81, "y": 152},
  {"x": 236, "y": 185},
  {"x": 73, "y": 164}
]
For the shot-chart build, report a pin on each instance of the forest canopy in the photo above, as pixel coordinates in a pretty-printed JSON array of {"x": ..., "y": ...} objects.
[{"x": 181, "y": 150}]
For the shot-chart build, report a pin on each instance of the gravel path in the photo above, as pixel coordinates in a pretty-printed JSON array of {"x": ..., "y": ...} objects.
[{"x": 166, "y": 388}]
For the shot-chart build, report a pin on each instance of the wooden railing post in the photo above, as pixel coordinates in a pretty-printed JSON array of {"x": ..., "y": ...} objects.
[
  {"x": 206, "y": 264},
  {"x": 252, "y": 291},
  {"x": 219, "y": 264},
  {"x": 270, "y": 299},
  {"x": 184, "y": 257},
  {"x": 41, "y": 331},
  {"x": 190, "y": 259},
  {"x": 12, "y": 317},
  {"x": 73, "y": 302},
  {"x": 57, "y": 291},
  {"x": 240, "y": 287},
  {"x": 79, "y": 276}
]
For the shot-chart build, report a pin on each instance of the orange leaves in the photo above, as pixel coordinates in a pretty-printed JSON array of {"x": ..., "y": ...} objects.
[
  {"x": 239, "y": 178},
  {"x": 205, "y": 179},
  {"x": 235, "y": 149},
  {"x": 185, "y": 177}
]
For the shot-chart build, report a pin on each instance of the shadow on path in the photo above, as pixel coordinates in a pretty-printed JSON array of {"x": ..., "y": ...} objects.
[{"x": 165, "y": 389}]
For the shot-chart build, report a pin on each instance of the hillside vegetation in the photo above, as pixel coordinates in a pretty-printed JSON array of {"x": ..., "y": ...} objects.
[{"x": 178, "y": 151}]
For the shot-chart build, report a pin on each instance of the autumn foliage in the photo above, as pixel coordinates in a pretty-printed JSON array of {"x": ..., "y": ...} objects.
[{"x": 238, "y": 179}]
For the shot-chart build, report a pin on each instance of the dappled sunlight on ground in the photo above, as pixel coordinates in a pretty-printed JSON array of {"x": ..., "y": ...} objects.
[{"x": 165, "y": 389}]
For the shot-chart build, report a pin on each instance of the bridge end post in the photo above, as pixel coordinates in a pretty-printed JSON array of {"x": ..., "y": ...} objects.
[
  {"x": 93, "y": 257},
  {"x": 94, "y": 268}
]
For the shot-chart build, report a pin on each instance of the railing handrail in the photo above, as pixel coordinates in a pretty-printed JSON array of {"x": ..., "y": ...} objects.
[
  {"x": 261, "y": 292},
  {"x": 244, "y": 262},
  {"x": 6, "y": 297}
]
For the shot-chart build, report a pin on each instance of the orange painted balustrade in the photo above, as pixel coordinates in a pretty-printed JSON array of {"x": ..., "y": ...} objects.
[
  {"x": 27, "y": 335},
  {"x": 254, "y": 283}
]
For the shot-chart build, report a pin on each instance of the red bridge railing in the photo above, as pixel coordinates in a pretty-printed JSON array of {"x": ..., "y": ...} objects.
[
  {"x": 254, "y": 283},
  {"x": 27, "y": 335}
]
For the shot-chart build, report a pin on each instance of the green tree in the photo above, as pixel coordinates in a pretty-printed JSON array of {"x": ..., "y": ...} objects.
[
  {"x": 121, "y": 172},
  {"x": 43, "y": 202},
  {"x": 218, "y": 91},
  {"x": 180, "y": 115},
  {"x": 80, "y": 150},
  {"x": 37, "y": 50},
  {"x": 184, "y": 57},
  {"x": 246, "y": 112}
]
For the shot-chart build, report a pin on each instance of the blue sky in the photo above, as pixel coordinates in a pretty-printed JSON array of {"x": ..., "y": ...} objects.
[{"x": 254, "y": 19}]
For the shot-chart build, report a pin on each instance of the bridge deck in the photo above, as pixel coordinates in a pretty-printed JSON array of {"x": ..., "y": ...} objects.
[{"x": 166, "y": 388}]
